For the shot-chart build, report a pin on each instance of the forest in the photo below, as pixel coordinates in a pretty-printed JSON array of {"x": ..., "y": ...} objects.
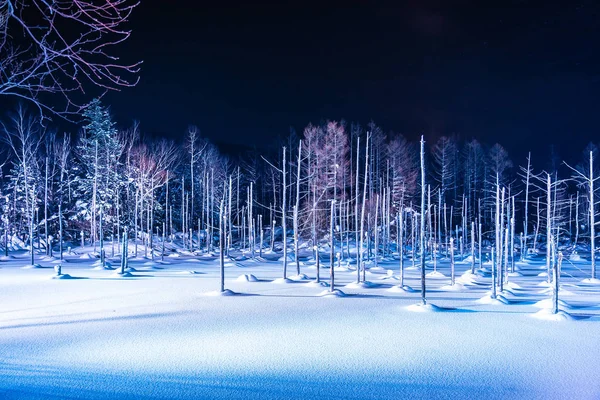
[{"x": 340, "y": 191}]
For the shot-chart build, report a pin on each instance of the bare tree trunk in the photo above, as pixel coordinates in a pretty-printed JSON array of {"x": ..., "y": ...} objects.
[
  {"x": 46, "y": 210},
  {"x": 576, "y": 220},
  {"x": 592, "y": 218},
  {"x": 357, "y": 234},
  {"x": 182, "y": 213},
  {"x": 229, "y": 227},
  {"x": 332, "y": 249},
  {"x": 376, "y": 228},
  {"x": 480, "y": 246},
  {"x": 472, "y": 247},
  {"x": 497, "y": 245},
  {"x": 549, "y": 225},
  {"x": 556, "y": 286},
  {"x": 537, "y": 226},
  {"x": 400, "y": 244},
  {"x": 124, "y": 248},
  {"x": 283, "y": 218},
  {"x": 31, "y": 224},
  {"x": 221, "y": 248},
  {"x": 102, "y": 257},
  {"x": 162, "y": 252},
  {"x": 452, "y": 280},
  {"x": 512, "y": 237},
  {"x": 423, "y": 288},
  {"x": 296, "y": 208},
  {"x": 526, "y": 224},
  {"x": 260, "y": 226},
  {"x": 362, "y": 214}
]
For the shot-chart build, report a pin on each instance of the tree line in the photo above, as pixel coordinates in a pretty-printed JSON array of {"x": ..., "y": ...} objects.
[{"x": 337, "y": 187}]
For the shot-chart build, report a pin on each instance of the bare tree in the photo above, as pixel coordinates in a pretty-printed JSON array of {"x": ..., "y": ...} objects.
[{"x": 59, "y": 47}]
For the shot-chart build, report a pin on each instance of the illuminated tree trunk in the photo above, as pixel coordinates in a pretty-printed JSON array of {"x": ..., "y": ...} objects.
[
  {"x": 452, "y": 280},
  {"x": 362, "y": 215},
  {"x": 357, "y": 233},
  {"x": 422, "y": 236},
  {"x": 549, "y": 225},
  {"x": 296, "y": 208},
  {"x": 497, "y": 242},
  {"x": 283, "y": 217},
  {"x": 332, "y": 249},
  {"x": 472, "y": 247},
  {"x": 592, "y": 217},
  {"x": 222, "y": 248},
  {"x": 526, "y": 224}
]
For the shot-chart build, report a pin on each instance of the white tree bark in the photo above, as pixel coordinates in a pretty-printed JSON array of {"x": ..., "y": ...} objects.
[{"x": 422, "y": 235}]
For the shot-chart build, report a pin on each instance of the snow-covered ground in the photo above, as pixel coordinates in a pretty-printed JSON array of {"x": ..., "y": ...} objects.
[{"x": 160, "y": 333}]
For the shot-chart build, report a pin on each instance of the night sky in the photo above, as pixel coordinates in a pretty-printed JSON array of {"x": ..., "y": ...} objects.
[{"x": 516, "y": 72}]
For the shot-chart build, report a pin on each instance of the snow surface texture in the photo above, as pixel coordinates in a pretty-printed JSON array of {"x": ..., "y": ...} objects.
[{"x": 160, "y": 334}]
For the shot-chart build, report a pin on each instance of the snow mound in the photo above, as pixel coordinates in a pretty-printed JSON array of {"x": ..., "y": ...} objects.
[
  {"x": 318, "y": 284},
  {"x": 513, "y": 285},
  {"x": 190, "y": 272},
  {"x": 487, "y": 299},
  {"x": 420, "y": 307},
  {"x": 334, "y": 293},
  {"x": 361, "y": 285},
  {"x": 63, "y": 276},
  {"x": 122, "y": 275},
  {"x": 282, "y": 281},
  {"x": 435, "y": 274},
  {"x": 99, "y": 264},
  {"x": 457, "y": 287},
  {"x": 47, "y": 258},
  {"x": 468, "y": 279},
  {"x": 218, "y": 293},
  {"x": 342, "y": 269},
  {"x": 100, "y": 267},
  {"x": 89, "y": 256},
  {"x": 515, "y": 274},
  {"x": 591, "y": 281},
  {"x": 402, "y": 289},
  {"x": 378, "y": 270},
  {"x": 247, "y": 278},
  {"x": 7, "y": 258},
  {"x": 548, "y": 315},
  {"x": 543, "y": 273},
  {"x": 30, "y": 266},
  {"x": 299, "y": 278}
]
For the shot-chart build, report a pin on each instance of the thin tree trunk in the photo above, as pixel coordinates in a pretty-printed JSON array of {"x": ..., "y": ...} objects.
[
  {"x": 332, "y": 249},
  {"x": 526, "y": 224},
  {"x": 423, "y": 288},
  {"x": 221, "y": 248},
  {"x": 549, "y": 225},
  {"x": 283, "y": 218},
  {"x": 362, "y": 214},
  {"x": 592, "y": 218}
]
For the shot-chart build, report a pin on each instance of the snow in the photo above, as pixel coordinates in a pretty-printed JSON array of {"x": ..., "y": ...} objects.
[
  {"x": 158, "y": 334},
  {"x": 247, "y": 278}
]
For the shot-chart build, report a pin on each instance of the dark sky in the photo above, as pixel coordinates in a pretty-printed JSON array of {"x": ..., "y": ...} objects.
[{"x": 517, "y": 72}]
